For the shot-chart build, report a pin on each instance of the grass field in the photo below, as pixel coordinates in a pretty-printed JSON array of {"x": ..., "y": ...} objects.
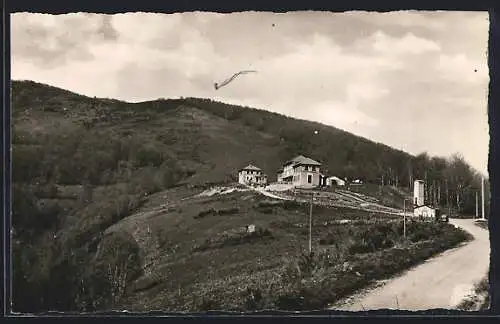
[{"x": 207, "y": 260}]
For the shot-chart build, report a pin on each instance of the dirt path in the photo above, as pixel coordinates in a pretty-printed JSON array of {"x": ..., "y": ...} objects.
[{"x": 441, "y": 282}]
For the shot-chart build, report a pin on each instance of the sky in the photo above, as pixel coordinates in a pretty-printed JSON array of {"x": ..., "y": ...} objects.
[{"x": 416, "y": 81}]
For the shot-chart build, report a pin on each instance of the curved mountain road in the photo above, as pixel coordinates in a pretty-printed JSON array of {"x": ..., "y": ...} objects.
[{"x": 441, "y": 282}]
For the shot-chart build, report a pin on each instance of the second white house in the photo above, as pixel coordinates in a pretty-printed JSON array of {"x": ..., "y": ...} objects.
[
  {"x": 301, "y": 171},
  {"x": 252, "y": 175}
]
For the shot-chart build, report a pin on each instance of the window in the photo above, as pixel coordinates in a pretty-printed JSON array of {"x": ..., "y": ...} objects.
[
  {"x": 416, "y": 200},
  {"x": 309, "y": 178}
]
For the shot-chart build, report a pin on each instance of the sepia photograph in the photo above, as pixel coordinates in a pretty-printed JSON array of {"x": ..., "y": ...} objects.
[{"x": 250, "y": 161}]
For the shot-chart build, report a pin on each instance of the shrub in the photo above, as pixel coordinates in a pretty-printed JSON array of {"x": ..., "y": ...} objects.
[
  {"x": 148, "y": 156},
  {"x": 253, "y": 298},
  {"x": 234, "y": 239},
  {"x": 213, "y": 212},
  {"x": 209, "y": 303},
  {"x": 228, "y": 211},
  {"x": 116, "y": 265}
]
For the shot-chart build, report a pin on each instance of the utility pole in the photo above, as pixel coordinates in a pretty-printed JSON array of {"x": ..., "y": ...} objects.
[
  {"x": 482, "y": 196},
  {"x": 404, "y": 217},
  {"x": 310, "y": 222},
  {"x": 477, "y": 207}
]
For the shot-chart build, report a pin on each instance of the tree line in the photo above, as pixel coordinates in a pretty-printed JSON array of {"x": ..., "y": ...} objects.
[{"x": 449, "y": 182}]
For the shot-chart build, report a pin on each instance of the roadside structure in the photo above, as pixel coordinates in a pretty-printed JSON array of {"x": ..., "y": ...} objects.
[
  {"x": 252, "y": 175},
  {"x": 301, "y": 171},
  {"x": 334, "y": 181},
  {"x": 421, "y": 209}
]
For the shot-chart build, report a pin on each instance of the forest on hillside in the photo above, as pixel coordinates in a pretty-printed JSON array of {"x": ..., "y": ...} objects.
[{"x": 449, "y": 181}]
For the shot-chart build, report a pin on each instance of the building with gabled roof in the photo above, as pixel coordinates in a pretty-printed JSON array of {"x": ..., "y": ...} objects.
[
  {"x": 252, "y": 175},
  {"x": 302, "y": 160},
  {"x": 301, "y": 171},
  {"x": 421, "y": 208},
  {"x": 335, "y": 181}
]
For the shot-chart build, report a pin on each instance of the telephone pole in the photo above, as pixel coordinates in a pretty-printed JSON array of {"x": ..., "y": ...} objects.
[
  {"x": 310, "y": 222},
  {"x": 404, "y": 217},
  {"x": 482, "y": 196},
  {"x": 477, "y": 206}
]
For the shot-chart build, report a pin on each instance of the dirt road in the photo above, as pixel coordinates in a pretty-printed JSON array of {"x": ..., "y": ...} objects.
[{"x": 441, "y": 282}]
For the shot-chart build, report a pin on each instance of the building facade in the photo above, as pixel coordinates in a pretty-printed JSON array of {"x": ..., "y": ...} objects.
[
  {"x": 421, "y": 209},
  {"x": 301, "y": 172},
  {"x": 279, "y": 176},
  {"x": 252, "y": 175},
  {"x": 334, "y": 181},
  {"x": 426, "y": 212},
  {"x": 418, "y": 193}
]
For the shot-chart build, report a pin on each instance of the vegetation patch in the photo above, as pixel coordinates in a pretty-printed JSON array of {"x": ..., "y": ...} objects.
[
  {"x": 482, "y": 224},
  {"x": 231, "y": 239},
  {"x": 480, "y": 298},
  {"x": 219, "y": 212},
  {"x": 314, "y": 281}
]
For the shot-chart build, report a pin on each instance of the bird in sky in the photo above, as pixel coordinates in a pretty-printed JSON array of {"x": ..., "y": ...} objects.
[{"x": 217, "y": 86}]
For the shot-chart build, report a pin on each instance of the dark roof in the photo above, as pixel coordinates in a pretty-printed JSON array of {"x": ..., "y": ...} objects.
[
  {"x": 302, "y": 160},
  {"x": 251, "y": 168}
]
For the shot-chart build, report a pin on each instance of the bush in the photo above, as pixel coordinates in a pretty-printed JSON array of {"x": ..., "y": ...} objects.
[
  {"x": 213, "y": 212},
  {"x": 234, "y": 239},
  {"x": 148, "y": 156},
  {"x": 253, "y": 299},
  {"x": 208, "y": 304},
  {"x": 116, "y": 265}
]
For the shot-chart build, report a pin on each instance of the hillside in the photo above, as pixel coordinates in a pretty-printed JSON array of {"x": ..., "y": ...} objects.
[
  {"x": 91, "y": 175},
  {"x": 210, "y": 137}
]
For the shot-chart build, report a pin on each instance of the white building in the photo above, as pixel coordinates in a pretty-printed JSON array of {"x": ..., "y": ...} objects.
[
  {"x": 420, "y": 209},
  {"x": 280, "y": 176},
  {"x": 334, "y": 181},
  {"x": 424, "y": 212},
  {"x": 418, "y": 193},
  {"x": 301, "y": 171},
  {"x": 251, "y": 174}
]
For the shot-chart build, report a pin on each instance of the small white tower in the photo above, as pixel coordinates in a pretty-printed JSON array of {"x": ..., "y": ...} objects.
[{"x": 418, "y": 193}]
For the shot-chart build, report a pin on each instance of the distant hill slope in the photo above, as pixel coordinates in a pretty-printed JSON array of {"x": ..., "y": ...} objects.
[
  {"x": 211, "y": 140},
  {"x": 211, "y": 137},
  {"x": 208, "y": 140},
  {"x": 81, "y": 165}
]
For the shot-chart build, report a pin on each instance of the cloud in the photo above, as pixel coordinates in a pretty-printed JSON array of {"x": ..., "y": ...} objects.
[
  {"x": 460, "y": 67},
  {"x": 406, "y": 45},
  {"x": 342, "y": 114},
  {"x": 52, "y": 40}
]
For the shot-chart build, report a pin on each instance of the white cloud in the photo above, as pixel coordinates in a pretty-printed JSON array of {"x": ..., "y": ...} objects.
[
  {"x": 407, "y": 45},
  {"x": 342, "y": 114},
  {"x": 459, "y": 67},
  {"x": 368, "y": 91}
]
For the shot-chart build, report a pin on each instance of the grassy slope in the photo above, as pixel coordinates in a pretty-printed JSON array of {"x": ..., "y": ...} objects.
[
  {"x": 92, "y": 166},
  {"x": 205, "y": 260}
]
